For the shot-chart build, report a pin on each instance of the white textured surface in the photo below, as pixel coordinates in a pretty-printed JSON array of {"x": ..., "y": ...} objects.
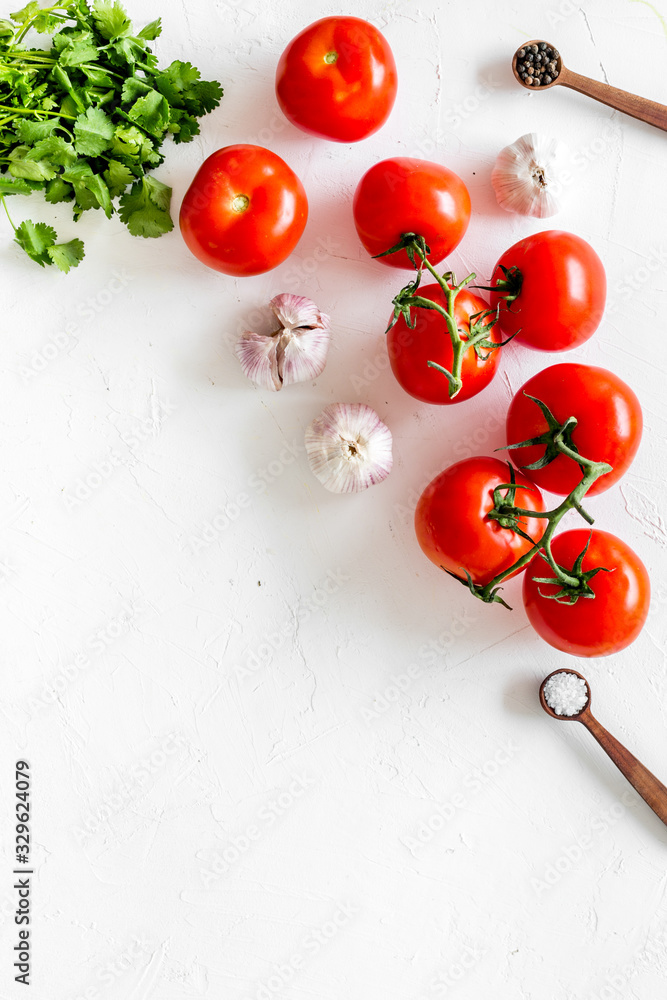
[{"x": 242, "y": 689}]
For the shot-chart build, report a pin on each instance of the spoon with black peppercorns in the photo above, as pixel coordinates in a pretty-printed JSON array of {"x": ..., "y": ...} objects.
[{"x": 537, "y": 65}]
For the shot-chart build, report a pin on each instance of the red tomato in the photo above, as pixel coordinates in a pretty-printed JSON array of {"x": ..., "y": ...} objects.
[
  {"x": 592, "y": 626},
  {"x": 562, "y": 295},
  {"x": 244, "y": 212},
  {"x": 609, "y": 424},
  {"x": 337, "y": 79},
  {"x": 411, "y": 350},
  {"x": 402, "y": 195},
  {"x": 452, "y": 524}
]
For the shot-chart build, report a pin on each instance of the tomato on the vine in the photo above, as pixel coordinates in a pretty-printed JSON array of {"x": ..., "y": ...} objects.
[
  {"x": 337, "y": 79},
  {"x": 557, "y": 287},
  {"x": 609, "y": 424},
  {"x": 244, "y": 212},
  {"x": 410, "y": 350},
  {"x": 404, "y": 195},
  {"x": 454, "y": 529},
  {"x": 595, "y": 626}
]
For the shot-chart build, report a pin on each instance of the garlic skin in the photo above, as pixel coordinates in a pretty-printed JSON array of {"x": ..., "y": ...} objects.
[
  {"x": 295, "y": 352},
  {"x": 349, "y": 448},
  {"x": 527, "y": 175}
]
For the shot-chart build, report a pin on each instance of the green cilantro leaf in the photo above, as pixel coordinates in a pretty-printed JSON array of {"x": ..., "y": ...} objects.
[
  {"x": 151, "y": 113},
  {"x": 183, "y": 126},
  {"x": 58, "y": 190},
  {"x": 134, "y": 87},
  {"x": 55, "y": 150},
  {"x": 90, "y": 189},
  {"x": 145, "y": 210},
  {"x": 109, "y": 108},
  {"x": 130, "y": 50},
  {"x": 98, "y": 77},
  {"x": 206, "y": 95},
  {"x": 111, "y": 20},
  {"x": 41, "y": 20},
  {"x": 26, "y": 13},
  {"x": 65, "y": 83},
  {"x": 66, "y": 255},
  {"x": 99, "y": 190},
  {"x": 176, "y": 80},
  {"x": 17, "y": 186},
  {"x": 152, "y": 30},
  {"x": 181, "y": 85},
  {"x": 31, "y": 170},
  {"x": 159, "y": 193},
  {"x": 80, "y": 51},
  {"x": 29, "y": 131},
  {"x": 94, "y": 131},
  {"x": 35, "y": 239},
  {"x": 118, "y": 177}
]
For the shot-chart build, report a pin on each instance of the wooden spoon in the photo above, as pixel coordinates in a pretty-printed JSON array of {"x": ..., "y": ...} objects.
[
  {"x": 638, "y": 107},
  {"x": 651, "y": 790}
]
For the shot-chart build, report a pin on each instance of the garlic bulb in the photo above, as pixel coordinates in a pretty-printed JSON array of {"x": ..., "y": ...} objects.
[
  {"x": 349, "y": 448},
  {"x": 528, "y": 175},
  {"x": 295, "y": 352}
]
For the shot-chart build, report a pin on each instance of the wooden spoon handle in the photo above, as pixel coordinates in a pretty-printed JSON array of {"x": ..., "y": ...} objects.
[
  {"x": 651, "y": 790},
  {"x": 630, "y": 104}
]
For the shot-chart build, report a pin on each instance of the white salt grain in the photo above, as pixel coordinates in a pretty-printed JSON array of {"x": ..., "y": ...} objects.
[{"x": 566, "y": 693}]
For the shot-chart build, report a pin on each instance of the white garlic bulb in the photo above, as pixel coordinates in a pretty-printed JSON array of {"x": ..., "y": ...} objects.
[
  {"x": 295, "y": 352},
  {"x": 349, "y": 447},
  {"x": 528, "y": 175}
]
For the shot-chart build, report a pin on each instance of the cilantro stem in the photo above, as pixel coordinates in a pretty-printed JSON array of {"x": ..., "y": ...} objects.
[
  {"x": 4, "y": 205},
  {"x": 36, "y": 111}
]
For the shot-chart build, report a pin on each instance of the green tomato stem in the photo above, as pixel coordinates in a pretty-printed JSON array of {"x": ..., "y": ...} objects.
[
  {"x": 592, "y": 472},
  {"x": 415, "y": 246}
]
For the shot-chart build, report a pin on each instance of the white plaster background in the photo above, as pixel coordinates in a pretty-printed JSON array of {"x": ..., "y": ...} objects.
[{"x": 210, "y": 681}]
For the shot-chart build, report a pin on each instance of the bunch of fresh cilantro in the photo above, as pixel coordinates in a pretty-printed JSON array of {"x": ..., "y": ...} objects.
[{"x": 85, "y": 120}]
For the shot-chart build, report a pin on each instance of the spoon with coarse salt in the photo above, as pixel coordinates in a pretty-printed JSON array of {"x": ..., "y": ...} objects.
[
  {"x": 549, "y": 72},
  {"x": 565, "y": 695}
]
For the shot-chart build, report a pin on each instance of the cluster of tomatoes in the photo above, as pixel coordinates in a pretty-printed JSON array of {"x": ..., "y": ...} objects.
[
  {"x": 244, "y": 214},
  {"x": 456, "y": 532}
]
